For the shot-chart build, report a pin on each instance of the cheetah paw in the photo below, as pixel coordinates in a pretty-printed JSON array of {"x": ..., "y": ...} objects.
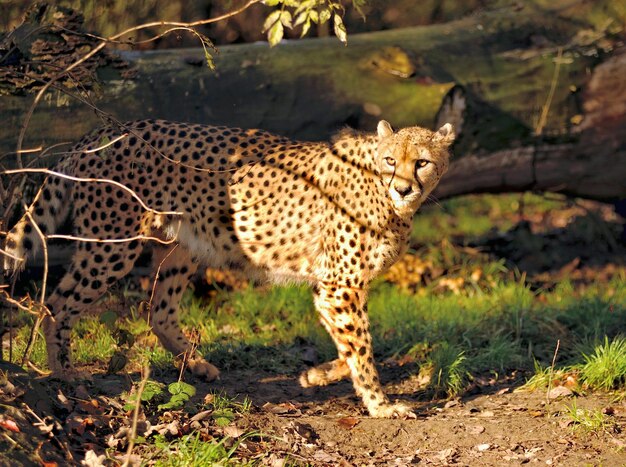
[
  {"x": 313, "y": 377},
  {"x": 324, "y": 374},
  {"x": 203, "y": 369},
  {"x": 388, "y": 410}
]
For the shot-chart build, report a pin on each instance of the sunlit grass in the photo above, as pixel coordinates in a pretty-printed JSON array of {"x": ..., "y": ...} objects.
[
  {"x": 588, "y": 420},
  {"x": 191, "y": 451},
  {"x": 93, "y": 342},
  {"x": 605, "y": 367},
  {"x": 447, "y": 365}
]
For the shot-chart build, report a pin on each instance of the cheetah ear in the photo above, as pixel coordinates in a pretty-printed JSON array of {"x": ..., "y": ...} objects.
[
  {"x": 445, "y": 134},
  {"x": 384, "y": 129}
]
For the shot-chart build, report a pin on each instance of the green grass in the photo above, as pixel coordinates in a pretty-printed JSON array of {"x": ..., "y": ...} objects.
[
  {"x": 448, "y": 370},
  {"x": 588, "y": 421},
  {"x": 605, "y": 368},
  {"x": 191, "y": 451}
]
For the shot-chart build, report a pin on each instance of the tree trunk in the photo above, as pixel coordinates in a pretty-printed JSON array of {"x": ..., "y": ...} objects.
[{"x": 538, "y": 95}]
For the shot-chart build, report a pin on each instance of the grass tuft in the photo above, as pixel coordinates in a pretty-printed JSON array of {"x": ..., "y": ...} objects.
[
  {"x": 589, "y": 420},
  {"x": 448, "y": 367},
  {"x": 191, "y": 451},
  {"x": 605, "y": 368}
]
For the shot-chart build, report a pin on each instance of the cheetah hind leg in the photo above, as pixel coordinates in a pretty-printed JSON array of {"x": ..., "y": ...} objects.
[
  {"x": 94, "y": 268},
  {"x": 175, "y": 268}
]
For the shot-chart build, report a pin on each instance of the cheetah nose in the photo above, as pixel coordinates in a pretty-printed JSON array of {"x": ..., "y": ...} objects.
[{"x": 403, "y": 190}]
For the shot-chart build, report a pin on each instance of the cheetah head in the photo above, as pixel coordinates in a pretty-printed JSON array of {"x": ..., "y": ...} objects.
[{"x": 411, "y": 162}]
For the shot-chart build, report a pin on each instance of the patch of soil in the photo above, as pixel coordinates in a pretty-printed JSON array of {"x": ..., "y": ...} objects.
[{"x": 496, "y": 424}]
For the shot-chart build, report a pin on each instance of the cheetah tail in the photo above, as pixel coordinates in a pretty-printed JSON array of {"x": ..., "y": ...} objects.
[{"x": 49, "y": 210}]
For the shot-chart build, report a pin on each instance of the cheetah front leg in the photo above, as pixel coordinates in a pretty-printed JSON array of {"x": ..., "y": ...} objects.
[
  {"x": 173, "y": 268},
  {"x": 343, "y": 313}
]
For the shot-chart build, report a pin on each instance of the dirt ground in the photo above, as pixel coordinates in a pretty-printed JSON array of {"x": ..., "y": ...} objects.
[{"x": 494, "y": 423}]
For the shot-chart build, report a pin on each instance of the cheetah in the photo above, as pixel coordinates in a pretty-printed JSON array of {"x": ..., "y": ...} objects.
[{"x": 331, "y": 214}]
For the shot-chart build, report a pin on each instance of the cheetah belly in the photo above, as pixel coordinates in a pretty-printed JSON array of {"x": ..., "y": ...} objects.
[{"x": 209, "y": 252}]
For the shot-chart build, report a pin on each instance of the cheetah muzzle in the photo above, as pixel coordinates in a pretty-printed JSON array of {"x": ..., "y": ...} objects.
[{"x": 332, "y": 214}]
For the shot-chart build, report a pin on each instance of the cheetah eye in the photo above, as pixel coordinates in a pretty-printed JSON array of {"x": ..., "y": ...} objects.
[
  {"x": 390, "y": 161},
  {"x": 422, "y": 163}
]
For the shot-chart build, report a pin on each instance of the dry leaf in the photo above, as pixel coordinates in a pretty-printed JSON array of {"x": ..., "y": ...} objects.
[
  {"x": 201, "y": 416},
  {"x": 233, "y": 431},
  {"x": 447, "y": 455},
  {"x": 451, "y": 403},
  {"x": 560, "y": 391},
  {"x": 475, "y": 429},
  {"x": 9, "y": 424},
  {"x": 608, "y": 411},
  {"x": 348, "y": 422},
  {"x": 280, "y": 409},
  {"x": 93, "y": 460}
]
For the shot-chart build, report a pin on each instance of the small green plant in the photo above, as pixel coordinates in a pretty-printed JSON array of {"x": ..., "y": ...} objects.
[
  {"x": 225, "y": 407},
  {"x": 449, "y": 372},
  {"x": 153, "y": 392},
  {"x": 180, "y": 393},
  {"x": 94, "y": 341},
  {"x": 154, "y": 395},
  {"x": 588, "y": 420},
  {"x": 605, "y": 368}
]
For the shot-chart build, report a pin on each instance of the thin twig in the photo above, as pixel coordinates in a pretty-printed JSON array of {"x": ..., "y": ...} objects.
[
  {"x": 112, "y": 240},
  {"x": 556, "y": 351},
  {"x": 133, "y": 428},
  {"x": 34, "y": 331},
  {"x": 154, "y": 282},
  {"x": 546, "y": 108},
  {"x": 41, "y": 422},
  {"x": 112, "y": 120},
  {"x": 32, "y": 307},
  {"x": 106, "y": 145},
  {"x": 6, "y": 253}
]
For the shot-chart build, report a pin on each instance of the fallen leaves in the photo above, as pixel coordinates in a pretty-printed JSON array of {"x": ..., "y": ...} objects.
[
  {"x": 283, "y": 408},
  {"x": 559, "y": 392},
  {"x": 475, "y": 429},
  {"x": 9, "y": 424},
  {"x": 348, "y": 422}
]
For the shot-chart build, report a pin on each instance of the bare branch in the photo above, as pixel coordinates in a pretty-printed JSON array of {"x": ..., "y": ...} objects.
[{"x": 99, "y": 148}]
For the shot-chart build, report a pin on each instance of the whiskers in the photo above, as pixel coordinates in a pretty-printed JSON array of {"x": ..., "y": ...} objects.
[{"x": 432, "y": 199}]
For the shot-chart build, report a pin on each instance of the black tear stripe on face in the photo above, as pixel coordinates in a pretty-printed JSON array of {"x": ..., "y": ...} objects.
[
  {"x": 393, "y": 175},
  {"x": 419, "y": 182}
]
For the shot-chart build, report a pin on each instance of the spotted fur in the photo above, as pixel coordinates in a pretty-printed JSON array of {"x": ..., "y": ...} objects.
[{"x": 334, "y": 215}]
